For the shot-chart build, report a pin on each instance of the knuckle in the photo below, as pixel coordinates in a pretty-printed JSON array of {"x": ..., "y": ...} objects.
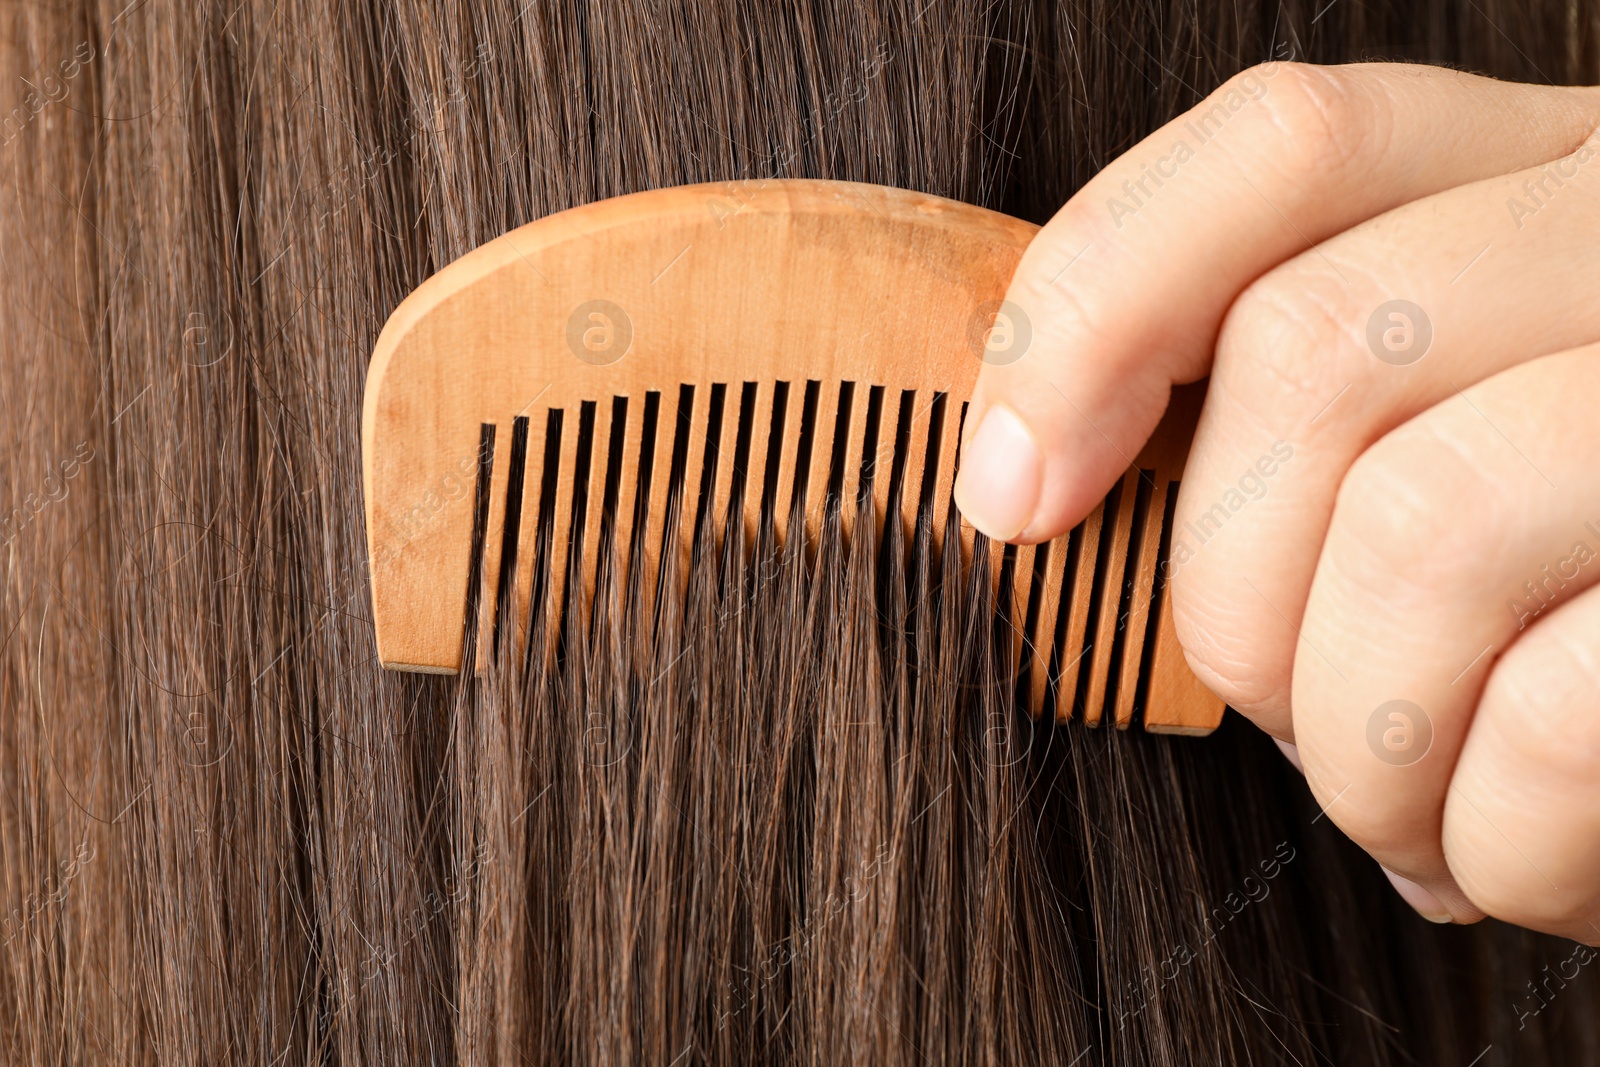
[
  {"x": 1412, "y": 510},
  {"x": 1321, "y": 120},
  {"x": 1288, "y": 343},
  {"x": 1362, "y": 804},
  {"x": 1485, "y": 881},
  {"x": 1373, "y": 826},
  {"x": 1062, "y": 310},
  {"x": 1540, "y": 700},
  {"x": 1502, "y": 884},
  {"x": 1516, "y": 840},
  {"x": 1230, "y": 666}
]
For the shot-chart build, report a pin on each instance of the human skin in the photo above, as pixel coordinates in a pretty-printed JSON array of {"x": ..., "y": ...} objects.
[{"x": 1435, "y": 536}]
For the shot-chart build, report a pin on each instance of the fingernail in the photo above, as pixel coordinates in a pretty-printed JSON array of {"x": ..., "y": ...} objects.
[
  {"x": 1001, "y": 475},
  {"x": 1423, "y": 902},
  {"x": 1290, "y": 753}
]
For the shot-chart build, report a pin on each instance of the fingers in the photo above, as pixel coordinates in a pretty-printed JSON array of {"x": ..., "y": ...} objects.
[
  {"x": 1322, "y": 356},
  {"x": 1125, "y": 288},
  {"x": 1522, "y": 820},
  {"x": 1450, "y": 536}
]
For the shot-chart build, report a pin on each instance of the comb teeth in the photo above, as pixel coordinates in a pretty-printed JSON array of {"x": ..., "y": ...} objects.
[
  {"x": 554, "y": 418},
  {"x": 570, "y": 502}
]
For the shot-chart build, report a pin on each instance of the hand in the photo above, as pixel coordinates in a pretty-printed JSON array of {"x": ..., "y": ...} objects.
[{"x": 1389, "y": 524}]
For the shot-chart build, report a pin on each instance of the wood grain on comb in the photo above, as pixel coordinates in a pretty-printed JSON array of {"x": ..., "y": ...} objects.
[{"x": 612, "y": 377}]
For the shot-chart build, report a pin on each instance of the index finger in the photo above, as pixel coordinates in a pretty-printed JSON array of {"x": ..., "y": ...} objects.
[{"x": 1124, "y": 290}]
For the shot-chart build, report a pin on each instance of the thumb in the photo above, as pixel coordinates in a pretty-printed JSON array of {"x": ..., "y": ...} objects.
[{"x": 1076, "y": 377}]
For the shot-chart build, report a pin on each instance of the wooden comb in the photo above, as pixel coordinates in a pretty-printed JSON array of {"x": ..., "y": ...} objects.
[{"x": 579, "y": 359}]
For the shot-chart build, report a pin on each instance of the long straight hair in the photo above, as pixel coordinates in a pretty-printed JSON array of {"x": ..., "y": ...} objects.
[{"x": 795, "y": 817}]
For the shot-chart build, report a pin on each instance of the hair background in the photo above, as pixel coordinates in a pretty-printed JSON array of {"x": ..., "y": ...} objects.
[{"x": 227, "y": 836}]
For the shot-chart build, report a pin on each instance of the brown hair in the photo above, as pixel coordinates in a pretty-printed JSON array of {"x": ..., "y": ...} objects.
[{"x": 794, "y": 819}]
